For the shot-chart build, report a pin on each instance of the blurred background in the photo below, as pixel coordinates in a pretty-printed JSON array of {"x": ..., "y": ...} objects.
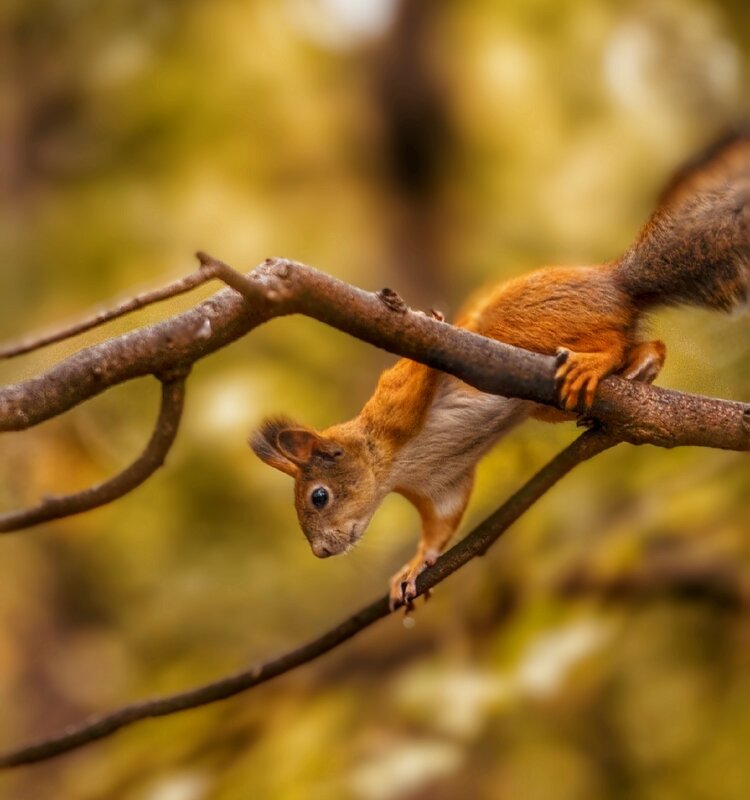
[{"x": 602, "y": 648}]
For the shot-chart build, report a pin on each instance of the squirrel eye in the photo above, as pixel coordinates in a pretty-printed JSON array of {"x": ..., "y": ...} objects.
[{"x": 319, "y": 497}]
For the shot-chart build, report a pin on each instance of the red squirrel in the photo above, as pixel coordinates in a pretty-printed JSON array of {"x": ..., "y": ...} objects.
[{"x": 422, "y": 432}]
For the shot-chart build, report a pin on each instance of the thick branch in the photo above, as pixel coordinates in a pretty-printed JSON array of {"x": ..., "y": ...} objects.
[
  {"x": 165, "y": 431},
  {"x": 636, "y": 413},
  {"x": 476, "y": 543}
]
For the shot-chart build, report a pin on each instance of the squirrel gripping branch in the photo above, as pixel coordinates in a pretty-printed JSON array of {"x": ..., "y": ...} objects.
[{"x": 422, "y": 432}]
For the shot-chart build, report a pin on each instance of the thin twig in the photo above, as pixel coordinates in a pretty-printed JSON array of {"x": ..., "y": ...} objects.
[
  {"x": 210, "y": 269},
  {"x": 236, "y": 280},
  {"x": 174, "y": 289},
  {"x": 476, "y": 543},
  {"x": 152, "y": 457}
]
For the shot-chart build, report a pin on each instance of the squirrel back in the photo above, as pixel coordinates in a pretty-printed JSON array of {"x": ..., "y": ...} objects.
[{"x": 695, "y": 248}]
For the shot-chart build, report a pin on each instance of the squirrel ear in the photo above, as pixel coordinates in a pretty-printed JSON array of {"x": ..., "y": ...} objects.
[
  {"x": 298, "y": 444},
  {"x": 286, "y": 446},
  {"x": 264, "y": 443}
]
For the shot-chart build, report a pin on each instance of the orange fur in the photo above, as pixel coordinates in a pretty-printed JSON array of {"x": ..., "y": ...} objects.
[{"x": 398, "y": 406}]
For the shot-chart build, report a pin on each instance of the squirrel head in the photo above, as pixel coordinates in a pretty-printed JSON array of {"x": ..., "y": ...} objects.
[{"x": 335, "y": 489}]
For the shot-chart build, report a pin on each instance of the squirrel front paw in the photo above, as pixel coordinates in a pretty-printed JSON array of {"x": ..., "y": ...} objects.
[
  {"x": 404, "y": 582},
  {"x": 403, "y": 590}
]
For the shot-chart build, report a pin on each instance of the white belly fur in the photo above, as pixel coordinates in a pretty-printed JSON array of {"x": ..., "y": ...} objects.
[{"x": 462, "y": 425}]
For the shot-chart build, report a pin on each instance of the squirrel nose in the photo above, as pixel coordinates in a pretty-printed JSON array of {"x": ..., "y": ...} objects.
[{"x": 320, "y": 550}]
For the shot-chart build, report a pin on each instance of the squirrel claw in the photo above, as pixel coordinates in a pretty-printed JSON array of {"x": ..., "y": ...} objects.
[
  {"x": 401, "y": 597},
  {"x": 403, "y": 588},
  {"x": 404, "y": 582},
  {"x": 578, "y": 375},
  {"x": 561, "y": 356},
  {"x": 561, "y": 361}
]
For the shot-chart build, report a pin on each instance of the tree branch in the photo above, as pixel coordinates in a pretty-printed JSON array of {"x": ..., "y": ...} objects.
[
  {"x": 210, "y": 269},
  {"x": 152, "y": 457},
  {"x": 632, "y": 411},
  {"x": 174, "y": 289},
  {"x": 476, "y": 543}
]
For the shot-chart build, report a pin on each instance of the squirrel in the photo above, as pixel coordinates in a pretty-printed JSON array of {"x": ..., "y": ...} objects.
[{"x": 422, "y": 432}]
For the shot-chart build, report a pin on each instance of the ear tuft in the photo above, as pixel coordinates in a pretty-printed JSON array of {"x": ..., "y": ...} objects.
[
  {"x": 264, "y": 443},
  {"x": 287, "y": 445}
]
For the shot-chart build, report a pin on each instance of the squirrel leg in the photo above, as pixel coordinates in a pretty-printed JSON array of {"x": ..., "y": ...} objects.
[
  {"x": 645, "y": 361},
  {"x": 578, "y": 374},
  {"x": 439, "y": 523}
]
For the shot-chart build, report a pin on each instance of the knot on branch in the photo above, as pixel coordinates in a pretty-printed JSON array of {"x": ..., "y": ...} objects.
[
  {"x": 392, "y": 300},
  {"x": 204, "y": 329},
  {"x": 274, "y": 276},
  {"x": 654, "y": 433}
]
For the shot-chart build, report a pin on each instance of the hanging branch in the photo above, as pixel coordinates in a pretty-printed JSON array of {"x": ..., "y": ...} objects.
[
  {"x": 152, "y": 457},
  {"x": 475, "y": 544}
]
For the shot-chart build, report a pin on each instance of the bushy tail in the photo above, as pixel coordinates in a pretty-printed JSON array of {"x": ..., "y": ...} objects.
[{"x": 695, "y": 249}]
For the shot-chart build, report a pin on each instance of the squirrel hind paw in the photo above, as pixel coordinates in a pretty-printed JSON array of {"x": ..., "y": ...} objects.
[
  {"x": 645, "y": 362},
  {"x": 578, "y": 376}
]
